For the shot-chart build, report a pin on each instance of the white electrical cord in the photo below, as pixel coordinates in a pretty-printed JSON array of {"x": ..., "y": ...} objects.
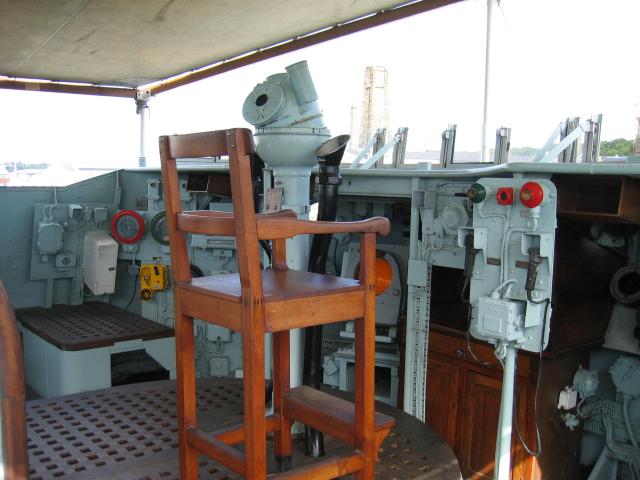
[{"x": 497, "y": 291}]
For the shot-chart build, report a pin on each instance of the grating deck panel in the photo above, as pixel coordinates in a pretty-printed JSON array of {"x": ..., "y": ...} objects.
[
  {"x": 130, "y": 432},
  {"x": 90, "y": 325}
]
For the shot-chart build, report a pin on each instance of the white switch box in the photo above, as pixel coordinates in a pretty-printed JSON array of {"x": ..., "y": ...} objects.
[
  {"x": 568, "y": 399},
  {"x": 100, "y": 261},
  {"x": 500, "y": 319}
]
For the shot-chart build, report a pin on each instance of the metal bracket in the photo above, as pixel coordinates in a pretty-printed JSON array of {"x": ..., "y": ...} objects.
[
  {"x": 590, "y": 147},
  {"x": 397, "y": 142}
]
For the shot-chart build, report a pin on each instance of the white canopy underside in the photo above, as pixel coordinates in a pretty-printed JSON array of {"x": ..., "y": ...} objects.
[{"x": 131, "y": 43}]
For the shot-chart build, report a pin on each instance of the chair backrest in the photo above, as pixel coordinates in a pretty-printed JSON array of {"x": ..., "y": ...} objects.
[
  {"x": 12, "y": 395},
  {"x": 238, "y": 145}
]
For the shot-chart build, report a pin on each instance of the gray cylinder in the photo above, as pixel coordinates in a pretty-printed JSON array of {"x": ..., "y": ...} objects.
[{"x": 301, "y": 82}]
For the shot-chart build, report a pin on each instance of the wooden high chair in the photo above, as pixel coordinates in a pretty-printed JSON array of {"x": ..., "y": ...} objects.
[{"x": 256, "y": 301}]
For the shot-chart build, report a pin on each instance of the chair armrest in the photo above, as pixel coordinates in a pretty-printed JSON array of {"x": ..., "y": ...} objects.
[
  {"x": 211, "y": 222},
  {"x": 274, "y": 228},
  {"x": 216, "y": 214}
]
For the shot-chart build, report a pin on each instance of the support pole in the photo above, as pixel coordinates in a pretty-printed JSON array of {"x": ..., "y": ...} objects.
[
  {"x": 502, "y": 467},
  {"x": 484, "y": 151},
  {"x": 142, "y": 99}
]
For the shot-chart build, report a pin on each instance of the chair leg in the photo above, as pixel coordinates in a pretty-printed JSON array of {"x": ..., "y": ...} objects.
[
  {"x": 281, "y": 386},
  {"x": 255, "y": 448},
  {"x": 365, "y": 397},
  {"x": 186, "y": 387},
  {"x": 365, "y": 346}
]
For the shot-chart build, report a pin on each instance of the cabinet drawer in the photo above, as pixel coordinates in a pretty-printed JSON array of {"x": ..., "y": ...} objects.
[{"x": 456, "y": 347}]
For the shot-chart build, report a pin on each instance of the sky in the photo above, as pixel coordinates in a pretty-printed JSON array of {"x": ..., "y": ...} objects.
[{"x": 550, "y": 59}]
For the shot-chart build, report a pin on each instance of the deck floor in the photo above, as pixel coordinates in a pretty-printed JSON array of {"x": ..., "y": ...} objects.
[{"x": 130, "y": 432}]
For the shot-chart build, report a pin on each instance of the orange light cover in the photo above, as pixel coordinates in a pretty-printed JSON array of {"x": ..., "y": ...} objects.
[{"x": 384, "y": 275}]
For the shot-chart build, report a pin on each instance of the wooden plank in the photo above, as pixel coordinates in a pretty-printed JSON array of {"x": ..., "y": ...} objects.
[
  {"x": 216, "y": 449},
  {"x": 456, "y": 347},
  {"x": 278, "y": 285},
  {"x": 327, "y": 413},
  {"x": 205, "y": 225},
  {"x": 198, "y": 145},
  {"x": 365, "y": 350},
  {"x": 279, "y": 254},
  {"x": 281, "y": 285},
  {"x": 281, "y": 388},
  {"x": 270, "y": 228},
  {"x": 171, "y": 187},
  {"x": 210, "y": 222},
  {"x": 61, "y": 87},
  {"x": 12, "y": 394},
  {"x": 186, "y": 392},
  {"x": 234, "y": 435},
  {"x": 185, "y": 351},
  {"x": 240, "y": 145},
  {"x": 334, "y": 467},
  {"x": 211, "y": 309},
  {"x": 310, "y": 311}
]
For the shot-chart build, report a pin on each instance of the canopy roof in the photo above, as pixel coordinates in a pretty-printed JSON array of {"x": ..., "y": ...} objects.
[{"x": 116, "y": 47}]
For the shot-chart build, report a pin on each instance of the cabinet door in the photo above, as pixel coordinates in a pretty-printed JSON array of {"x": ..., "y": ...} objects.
[
  {"x": 481, "y": 410},
  {"x": 443, "y": 382}
]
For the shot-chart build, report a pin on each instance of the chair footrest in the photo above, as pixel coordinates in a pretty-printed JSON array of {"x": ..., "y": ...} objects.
[
  {"x": 235, "y": 434},
  {"x": 326, "y": 469},
  {"x": 216, "y": 449},
  {"x": 329, "y": 414}
]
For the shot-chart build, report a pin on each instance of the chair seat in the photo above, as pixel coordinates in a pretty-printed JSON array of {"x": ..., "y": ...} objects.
[
  {"x": 293, "y": 299},
  {"x": 277, "y": 285}
]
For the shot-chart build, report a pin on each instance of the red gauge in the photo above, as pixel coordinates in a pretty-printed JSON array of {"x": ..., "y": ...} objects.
[
  {"x": 127, "y": 226},
  {"x": 504, "y": 196},
  {"x": 531, "y": 194}
]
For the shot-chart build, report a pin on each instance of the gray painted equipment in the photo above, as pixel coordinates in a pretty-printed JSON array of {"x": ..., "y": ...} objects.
[{"x": 289, "y": 127}]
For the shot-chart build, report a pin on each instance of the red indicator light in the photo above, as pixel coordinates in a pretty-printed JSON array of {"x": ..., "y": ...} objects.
[
  {"x": 504, "y": 196},
  {"x": 531, "y": 194},
  {"x": 127, "y": 226}
]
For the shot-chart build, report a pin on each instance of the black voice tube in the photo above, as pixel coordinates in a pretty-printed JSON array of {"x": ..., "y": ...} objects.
[{"x": 329, "y": 157}]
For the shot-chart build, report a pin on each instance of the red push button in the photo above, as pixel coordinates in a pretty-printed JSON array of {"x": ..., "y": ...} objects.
[
  {"x": 504, "y": 196},
  {"x": 531, "y": 194}
]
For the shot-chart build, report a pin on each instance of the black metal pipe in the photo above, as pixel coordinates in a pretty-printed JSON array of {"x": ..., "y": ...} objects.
[{"x": 329, "y": 157}]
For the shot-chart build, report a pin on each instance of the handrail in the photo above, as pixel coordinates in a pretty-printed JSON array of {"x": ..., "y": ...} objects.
[{"x": 12, "y": 394}]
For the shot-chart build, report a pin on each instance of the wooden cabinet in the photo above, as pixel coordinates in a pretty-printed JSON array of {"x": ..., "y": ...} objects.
[
  {"x": 463, "y": 405},
  {"x": 443, "y": 383}
]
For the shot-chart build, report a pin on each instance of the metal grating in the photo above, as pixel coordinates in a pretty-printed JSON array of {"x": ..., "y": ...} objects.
[
  {"x": 72, "y": 435},
  {"x": 130, "y": 432},
  {"x": 90, "y": 325}
]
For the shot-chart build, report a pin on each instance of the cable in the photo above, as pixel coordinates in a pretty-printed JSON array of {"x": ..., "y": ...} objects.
[
  {"x": 335, "y": 254},
  {"x": 496, "y": 291},
  {"x": 535, "y": 398},
  {"x": 266, "y": 247},
  {"x": 133, "y": 294},
  {"x": 473, "y": 355}
]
